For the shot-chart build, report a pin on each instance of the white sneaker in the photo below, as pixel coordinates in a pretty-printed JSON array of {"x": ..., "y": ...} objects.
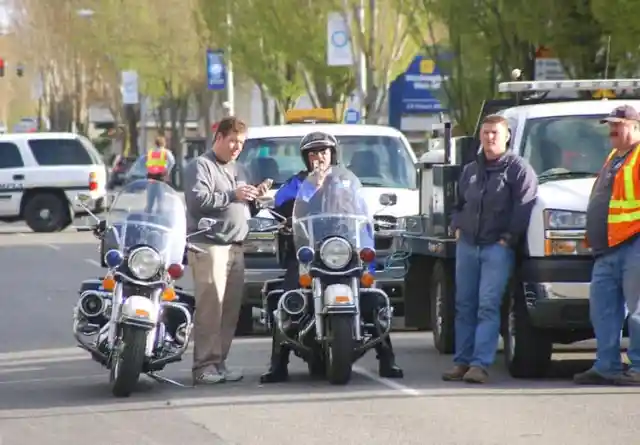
[{"x": 230, "y": 375}]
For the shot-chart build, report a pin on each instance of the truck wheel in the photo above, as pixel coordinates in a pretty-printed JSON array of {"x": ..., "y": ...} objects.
[
  {"x": 245, "y": 321},
  {"x": 527, "y": 350},
  {"x": 417, "y": 308},
  {"x": 443, "y": 309},
  {"x": 46, "y": 213}
]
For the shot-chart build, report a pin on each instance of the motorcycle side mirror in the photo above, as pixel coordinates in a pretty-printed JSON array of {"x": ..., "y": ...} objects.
[
  {"x": 388, "y": 199},
  {"x": 206, "y": 223},
  {"x": 83, "y": 198}
]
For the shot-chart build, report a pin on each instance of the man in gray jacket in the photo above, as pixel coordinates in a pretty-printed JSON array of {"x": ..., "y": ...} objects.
[{"x": 214, "y": 187}]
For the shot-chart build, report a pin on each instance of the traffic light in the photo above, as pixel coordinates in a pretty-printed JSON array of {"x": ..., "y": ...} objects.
[
  {"x": 20, "y": 70},
  {"x": 1, "y": 67}
]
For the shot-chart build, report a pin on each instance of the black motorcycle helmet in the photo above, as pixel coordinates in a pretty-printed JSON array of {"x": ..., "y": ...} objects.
[{"x": 318, "y": 141}]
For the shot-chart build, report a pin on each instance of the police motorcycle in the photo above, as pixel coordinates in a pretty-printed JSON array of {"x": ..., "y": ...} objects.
[
  {"x": 337, "y": 314},
  {"x": 133, "y": 321}
]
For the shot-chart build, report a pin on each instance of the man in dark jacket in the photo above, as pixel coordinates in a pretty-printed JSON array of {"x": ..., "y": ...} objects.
[
  {"x": 319, "y": 150},
  {"x": 496, "y": 194}
]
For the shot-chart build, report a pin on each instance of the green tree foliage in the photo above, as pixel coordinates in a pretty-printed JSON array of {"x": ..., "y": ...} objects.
[
  {"x": 492, "y": 37},
  {"x": 383, "y": 35}
]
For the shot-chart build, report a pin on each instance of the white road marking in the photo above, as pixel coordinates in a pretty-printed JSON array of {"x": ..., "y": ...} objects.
[
  {"x": 55, "y": 379},
  {"x": 53, "y": 246},
  {"x": 92, "y": 262},
  {"x": 392, "y": 384},
  {"x": 25, "y": 369}
]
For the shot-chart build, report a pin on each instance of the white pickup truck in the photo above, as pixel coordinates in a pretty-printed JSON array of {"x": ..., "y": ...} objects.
[
  {"x": 41, "y": 174},
  {"x": 567, "y": 145}
]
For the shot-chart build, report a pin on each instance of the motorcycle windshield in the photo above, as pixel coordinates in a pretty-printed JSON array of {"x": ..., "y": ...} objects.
[
  {"x": 149, "y": 213},
  {"x": 330, "y": 204}
]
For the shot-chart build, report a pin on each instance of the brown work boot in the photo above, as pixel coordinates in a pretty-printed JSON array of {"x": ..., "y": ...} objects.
[
  {"x": 476, "y": 374},
  {"x": 455, "y": 374},
  {"x": 593, "y": 377},
  {"x": 629, "y": 378}
]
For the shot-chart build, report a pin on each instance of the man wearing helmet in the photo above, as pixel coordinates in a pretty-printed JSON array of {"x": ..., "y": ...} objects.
[{"x": 319, "y": 152}]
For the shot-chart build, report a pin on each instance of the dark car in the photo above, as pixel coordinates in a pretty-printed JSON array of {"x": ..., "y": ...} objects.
[{"x": 121, "y": 166}]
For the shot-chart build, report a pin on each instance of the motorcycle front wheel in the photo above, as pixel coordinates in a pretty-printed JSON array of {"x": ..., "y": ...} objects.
[
  {"x": 128, "y": 361},
  {"x": 340, "y": 349}
]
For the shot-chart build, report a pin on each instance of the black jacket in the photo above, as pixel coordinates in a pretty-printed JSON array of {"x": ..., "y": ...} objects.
[{"x": 495, "y": 200}]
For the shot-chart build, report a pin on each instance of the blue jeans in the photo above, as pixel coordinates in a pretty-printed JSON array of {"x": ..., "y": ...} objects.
[
  {"x": 615, "y": 280},
  {"x": 482, "y": 275}
]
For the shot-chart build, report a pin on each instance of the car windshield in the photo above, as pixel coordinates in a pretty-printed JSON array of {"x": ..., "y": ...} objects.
[
  {"x": 566, "y": 145},
  {"x": 377, "y": 161}
]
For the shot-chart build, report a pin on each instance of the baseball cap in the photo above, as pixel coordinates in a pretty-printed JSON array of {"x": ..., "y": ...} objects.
[{"x": 621, "y": 114}]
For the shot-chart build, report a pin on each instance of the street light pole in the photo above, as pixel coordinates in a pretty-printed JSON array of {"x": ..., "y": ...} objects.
[{"x": 230, "y": 109}]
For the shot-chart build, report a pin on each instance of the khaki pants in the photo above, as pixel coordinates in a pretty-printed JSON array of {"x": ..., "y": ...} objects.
[{"x": 218, "y": 276}]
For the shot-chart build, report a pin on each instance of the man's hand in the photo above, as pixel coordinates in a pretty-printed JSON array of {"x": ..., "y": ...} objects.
[
  {"x": 457, "y": 234},
  {"x": 264, "y": 187},
  {"x": 246, "y": 193}
]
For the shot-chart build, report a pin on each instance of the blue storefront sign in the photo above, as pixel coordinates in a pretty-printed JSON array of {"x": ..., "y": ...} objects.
[
  {"x": 216, "y": 70},
  {"x": 422, "y": 85},
  {"x": 418, "y": 90}
]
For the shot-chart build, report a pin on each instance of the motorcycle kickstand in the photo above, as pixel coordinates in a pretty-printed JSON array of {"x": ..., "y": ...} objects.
[{"x": 162, "y": 379}]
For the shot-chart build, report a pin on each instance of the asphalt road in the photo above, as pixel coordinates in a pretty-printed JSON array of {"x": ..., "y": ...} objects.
[{"x": 51, "y": 392}]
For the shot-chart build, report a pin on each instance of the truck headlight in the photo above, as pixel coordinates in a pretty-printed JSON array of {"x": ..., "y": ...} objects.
[
  {"x": 564, "y": 219},
  {"x": 565, "y": 233}
]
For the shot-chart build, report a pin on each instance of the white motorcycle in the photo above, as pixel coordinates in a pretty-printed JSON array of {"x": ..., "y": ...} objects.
[
  {"x": 336, "y": 314},
  {"x": 135, "y": 321}
]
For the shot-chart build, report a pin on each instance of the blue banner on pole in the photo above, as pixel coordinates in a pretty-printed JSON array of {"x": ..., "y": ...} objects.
[
  {"x": 216, "y": 70},
  {"x": 351, "y": 116}
]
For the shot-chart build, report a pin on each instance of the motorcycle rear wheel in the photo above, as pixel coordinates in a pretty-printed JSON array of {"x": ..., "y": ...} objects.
[{"x": 128, "y": 361}]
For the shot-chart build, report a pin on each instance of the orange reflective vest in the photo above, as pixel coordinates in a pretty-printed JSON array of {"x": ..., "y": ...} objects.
[
  {"x": 624, "y": 206},
  {"x": 156, "y": 162}
]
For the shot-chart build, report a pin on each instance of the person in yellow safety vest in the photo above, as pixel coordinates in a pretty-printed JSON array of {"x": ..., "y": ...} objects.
[
  {"x": 159, "y": 163},
  {"x": 613, "y": 233}
]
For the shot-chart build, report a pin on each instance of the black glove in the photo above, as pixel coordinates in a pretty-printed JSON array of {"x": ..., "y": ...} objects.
[{"x": 99, "y": 229}]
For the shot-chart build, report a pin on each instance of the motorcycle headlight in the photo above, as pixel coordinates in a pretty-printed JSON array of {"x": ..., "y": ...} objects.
[
  {"x": 335, "y": 253},
  {"x": 144, "y": 263},
  {"x": 564, "y": 219}
]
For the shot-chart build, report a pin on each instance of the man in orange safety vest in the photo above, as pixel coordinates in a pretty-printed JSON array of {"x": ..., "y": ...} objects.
[{"x": 613, "y": 233}]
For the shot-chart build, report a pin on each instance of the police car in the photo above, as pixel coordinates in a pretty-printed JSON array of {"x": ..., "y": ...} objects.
[
  {"x": 548, "y": 303},
  {"x": 41, "y": 174},
  {"x": 380, "y": 156}
]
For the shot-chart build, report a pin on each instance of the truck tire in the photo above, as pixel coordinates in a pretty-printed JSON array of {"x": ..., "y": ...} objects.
[
  {"x": 245, "y": 321},
  {"x": 527, "y": 349},
  {"x": 443, "y": 307},
  {"x": 417, "y": 308},
  {"x": 46, "y": 212}
]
